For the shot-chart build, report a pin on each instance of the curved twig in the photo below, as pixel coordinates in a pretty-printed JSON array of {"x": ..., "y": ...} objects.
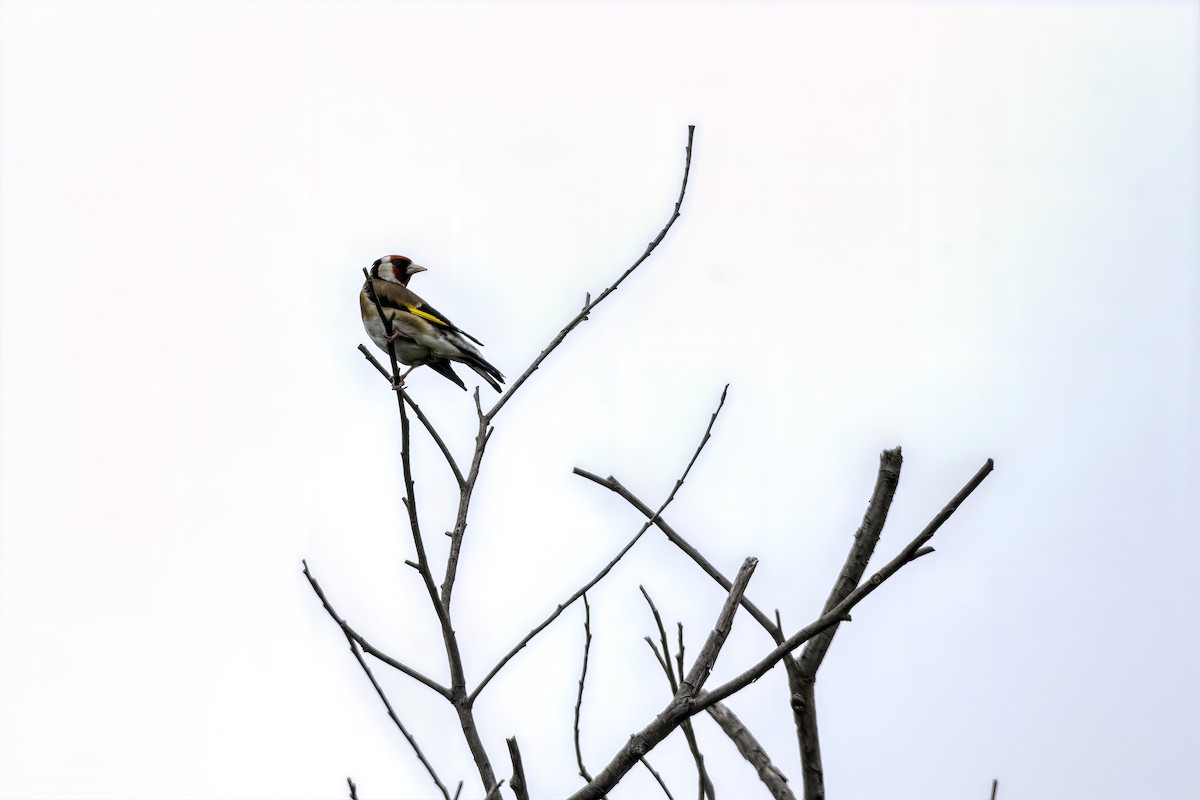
[
  {"x": 587, "y": 646},
  {"x": 589, "y": 303}
]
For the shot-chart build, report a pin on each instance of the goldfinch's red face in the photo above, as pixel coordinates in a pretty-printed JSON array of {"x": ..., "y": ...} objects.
[{"x": 396, "y": 269}]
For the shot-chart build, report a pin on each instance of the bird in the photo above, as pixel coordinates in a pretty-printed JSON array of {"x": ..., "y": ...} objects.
[{"x": 421, "y": 334}]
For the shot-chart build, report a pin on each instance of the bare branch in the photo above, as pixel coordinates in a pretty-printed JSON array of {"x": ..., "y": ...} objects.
[
  {"x": 802, "y": 679},
  {"x": 412, "y": 742},
  {"x": 839, "y": 612},
  {"x": 353, "y": 789},
  {"x": 927, "y": 533},
  {"x": 607, "y": 567},
  {"x": 517, "y": 782},
  {"x": 375, "y": 363},
  {"x": 680, "y": 707},
  {"x": 465, "y": 492},
  {"x": 462, "y": 705},
  {"x": 587, "y": 645},
  {"x": 691, "y": 685},
  {"x": 865, "y": 539},
  {"x": 752, "y": 751},
  {"x": 864, "y": 543},
  {"x": 433, "y": 434},
  {"x": 393, "y": 663},
  {"x": 410, "y": 505},
  {"x": 355, "y": 637}
]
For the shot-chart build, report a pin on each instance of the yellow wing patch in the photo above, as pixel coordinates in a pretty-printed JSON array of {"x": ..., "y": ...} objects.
[{"x": 426, "y": 315}]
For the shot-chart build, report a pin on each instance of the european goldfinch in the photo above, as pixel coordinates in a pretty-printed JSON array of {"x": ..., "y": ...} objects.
[{"x": 420, "y": 333}]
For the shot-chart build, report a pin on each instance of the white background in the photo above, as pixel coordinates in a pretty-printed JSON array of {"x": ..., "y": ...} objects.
[{"x": 968, "y": 229}]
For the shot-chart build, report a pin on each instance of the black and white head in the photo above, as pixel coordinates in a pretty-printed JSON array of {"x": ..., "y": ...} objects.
[{"x": 395, "y": 269}]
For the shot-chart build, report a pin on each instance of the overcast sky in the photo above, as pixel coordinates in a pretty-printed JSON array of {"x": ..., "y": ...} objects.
[{"x": 967, "y": 229}]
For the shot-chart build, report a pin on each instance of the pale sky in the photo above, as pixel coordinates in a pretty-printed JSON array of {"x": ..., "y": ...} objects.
[{"x": 967, "y": 229}]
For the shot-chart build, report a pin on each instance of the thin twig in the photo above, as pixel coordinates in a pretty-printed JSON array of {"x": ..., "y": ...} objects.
[
  {"x": 587, "y": 644},
  {"x": 654, "y": 773},
  {"x": 607, "y": 567},
  {"x": 589, "y": 303},
  {"x": 466, "y": 492},
  {"x": 393, "y": 663},
  {"x": 362, "y": 348},
  {"x": 706, "y": 788},
  {"x": 354, "y": 636},
  {"x": 412, "y": 742},
  {"x": 353, "y": 789},
  {"x": 679, "y": 650},
  {"x": 665, "y": 661}
]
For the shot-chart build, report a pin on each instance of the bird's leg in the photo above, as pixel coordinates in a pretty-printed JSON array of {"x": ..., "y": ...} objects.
[{"x": 397, "y": 383}]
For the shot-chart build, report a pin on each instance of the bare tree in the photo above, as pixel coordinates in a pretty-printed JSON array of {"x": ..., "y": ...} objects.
[{"x": 801, "y": 652}]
